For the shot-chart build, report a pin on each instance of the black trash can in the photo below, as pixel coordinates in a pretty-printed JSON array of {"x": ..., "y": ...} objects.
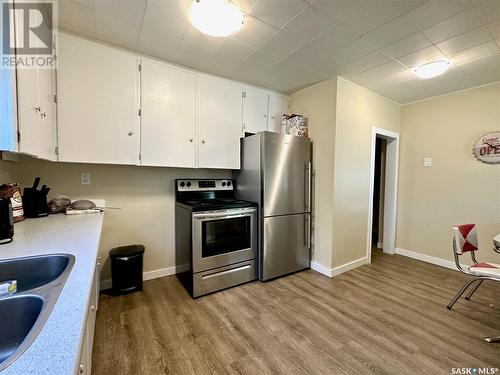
[{"x": 126, "y": 268}]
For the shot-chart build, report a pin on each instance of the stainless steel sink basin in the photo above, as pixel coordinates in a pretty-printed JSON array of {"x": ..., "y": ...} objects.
[
  {"x": 33, "y": 272},
  {"x": 17, "y": 316},
  {"x": 40, "y": 280}
]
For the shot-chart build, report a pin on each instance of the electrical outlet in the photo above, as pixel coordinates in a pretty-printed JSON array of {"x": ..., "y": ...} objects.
[
  {"x": 427, "y": 162},
  {"x": 85, "y": 178}
]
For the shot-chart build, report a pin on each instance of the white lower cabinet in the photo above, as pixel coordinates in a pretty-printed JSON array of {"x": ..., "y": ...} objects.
[
  {"x": 85, "y": 365},
  {"x": 168, "y": 115},
  {"x": 220, "y": 122}
]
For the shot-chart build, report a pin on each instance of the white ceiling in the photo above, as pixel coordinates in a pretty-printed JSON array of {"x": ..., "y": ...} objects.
[{"x": 289, "y": 44}]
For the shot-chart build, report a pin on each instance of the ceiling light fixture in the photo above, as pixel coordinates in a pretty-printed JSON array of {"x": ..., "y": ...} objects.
[
  {"x": 432, "y": 69},
  {"x": 215, "y": 17}
]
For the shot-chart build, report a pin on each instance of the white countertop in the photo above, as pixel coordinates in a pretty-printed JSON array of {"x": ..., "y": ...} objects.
[{"x": 56, "y": 349}]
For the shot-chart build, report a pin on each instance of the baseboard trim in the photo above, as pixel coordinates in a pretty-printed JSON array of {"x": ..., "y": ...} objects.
[
  {"x": 331, "y": 272},
  {"x": 321, "y": 269},
  {"x": 148, "y": 275},
  {"x": 429, "y": 259},
  {"x": 349, "y": 266}
]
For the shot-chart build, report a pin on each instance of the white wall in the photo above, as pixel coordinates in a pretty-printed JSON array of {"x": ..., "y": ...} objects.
[
  {"x": 457, "y": 188},
  {"x": 145, "y": 195},
  {"x": 358, "y": 110}
]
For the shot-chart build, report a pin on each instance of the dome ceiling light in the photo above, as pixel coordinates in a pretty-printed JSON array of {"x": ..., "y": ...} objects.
[
  {"x": 216, "y": 17},
  {"x": 432, "y": 69}
]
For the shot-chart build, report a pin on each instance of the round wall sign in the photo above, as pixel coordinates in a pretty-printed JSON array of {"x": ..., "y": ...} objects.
[{"x": 487, "y": 148}]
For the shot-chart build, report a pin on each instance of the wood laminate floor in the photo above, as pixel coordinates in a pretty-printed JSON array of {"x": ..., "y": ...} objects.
[{"x": 388, "y": 317}]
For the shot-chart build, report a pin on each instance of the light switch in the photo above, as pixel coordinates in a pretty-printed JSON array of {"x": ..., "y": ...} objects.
[
  {"x": 427, "y": 162},
  {"x": 85, "y": 178}
]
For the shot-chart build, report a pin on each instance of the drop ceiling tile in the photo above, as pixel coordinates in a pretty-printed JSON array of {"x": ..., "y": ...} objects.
[
  {"x": 338, "y": 35},
  {"x": 487, "y": 75},
  {"x": 289, "y": 77},
  {"x": 373, "y": 15},
  {"x": 421, "y": 57},
  {"x": 254, "y": 32},
  {"x": 262, "y": 60},
  {"x": 153, "y": 44},
  {"x": 66, "y": 27},
  {"x": 453, "y": 26},
  {"x": 489, "y": 10},
  {"x": 87, "y": 3},
  {"x": 277, "y": 12},
  {"x": 308, "y": 24},
  {"x": 245, "y": 5},
  {"x": 364, "y": 63},
  {"x": 315, "y": 58},
  {"x": 390, "y": 32},
  {"x": 168, "y": 24},
  {"x": 475, "y": 53},
  {"x": 234, "y": 49},
  {"x": 352, "y": 51},
  {"x": 464, "y": 41},
  {"x": 407, "y": 45},
  {"x": 405, "y": 6},
  {"x": 482, "y": 63},
  {"x": 400, "y": 79},
  {"x": 494, "y": 29},
  {"x": 75, "y": 14},
  {"x": 178, "y": 7},
  {"x": 435, "y": 11},
  {"x": 339, "y": 9},
  {"x": 116, "y": 31},
  {"x": 381, "y": 71},
  {"x": 194, "y": 37},
  {"x": 130, "y": 11},
  {"x": 247, "y": 73}
]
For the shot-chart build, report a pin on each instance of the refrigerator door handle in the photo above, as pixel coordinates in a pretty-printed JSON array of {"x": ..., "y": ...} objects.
[
  {"x": 307, "y": 232},
  {"x": 308, "y": 193}
]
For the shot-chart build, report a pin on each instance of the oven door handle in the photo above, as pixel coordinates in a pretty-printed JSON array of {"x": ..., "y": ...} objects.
[{"x": 223, "y": 215}]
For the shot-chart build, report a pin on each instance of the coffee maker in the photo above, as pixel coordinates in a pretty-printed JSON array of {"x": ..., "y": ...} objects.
[{"x": 6, "y": 221}]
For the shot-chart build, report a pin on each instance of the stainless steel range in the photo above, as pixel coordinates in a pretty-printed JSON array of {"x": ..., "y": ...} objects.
[{"x": 215, "y": 236}]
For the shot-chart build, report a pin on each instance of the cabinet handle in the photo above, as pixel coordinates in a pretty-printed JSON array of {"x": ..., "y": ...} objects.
[
  {"x": 98, "y": 259},
  {"x": 43, "y": 115},
  {"x": 38, "y": 109},
  {"x": 131, "y": 133},
  {"x": 190, "y": 139},
  {"x": 202, "y": 141},
  {"x": 82, "y": 368},
  {"x": 92, "y": 308}
]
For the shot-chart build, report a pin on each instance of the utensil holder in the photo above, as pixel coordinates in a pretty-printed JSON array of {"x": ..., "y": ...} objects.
[{"x": 35, "y": 203}]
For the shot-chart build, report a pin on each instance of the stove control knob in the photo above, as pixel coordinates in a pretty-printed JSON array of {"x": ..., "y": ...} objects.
[
  {"x": 223, "y": 183},
  {"x": 229, "y": 183},
  {"x": 182, "y": 184},
  {"x": 188, "y": 184}
]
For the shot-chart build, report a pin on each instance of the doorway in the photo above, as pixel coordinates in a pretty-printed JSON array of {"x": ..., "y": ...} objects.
[{"x": 383, "y": 191}]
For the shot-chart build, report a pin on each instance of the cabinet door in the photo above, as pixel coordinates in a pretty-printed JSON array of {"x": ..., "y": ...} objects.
[
  {"x": 28, "y": 111},
  {"x": 278, "y": 106},
  {"x": 8, "y": 124},
  {"x": 98, "y": 103},
  {"x": 168, "y": 118},
  {"x": 47, "y": 121},
  {"x": 220, "y": 122},
  {"x": 255, "y": 110}
]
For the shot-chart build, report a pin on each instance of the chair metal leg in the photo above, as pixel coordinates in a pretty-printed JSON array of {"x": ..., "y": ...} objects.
[
  {"x": 459, "y": 294},
  {"x": 493, "y": 339},
  {"x": 469, "y": 295}
]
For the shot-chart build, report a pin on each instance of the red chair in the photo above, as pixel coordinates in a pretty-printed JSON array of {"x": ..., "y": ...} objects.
[{"x": 465, "y": 240}]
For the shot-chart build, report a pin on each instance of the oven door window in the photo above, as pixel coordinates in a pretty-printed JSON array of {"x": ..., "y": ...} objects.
[{"x": 225, "y": 236}]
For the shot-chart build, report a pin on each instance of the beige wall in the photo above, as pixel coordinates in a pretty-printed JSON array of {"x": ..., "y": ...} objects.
[
  {"x": 457, "y": 188},
  {"x": 8, "y": 171},
  {"x": 145, "y": 195},
  {"x": 318, "y": 104},
  {"x": 358, "y": 110}
]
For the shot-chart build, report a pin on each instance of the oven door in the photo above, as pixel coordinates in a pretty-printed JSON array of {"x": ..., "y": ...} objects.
[{"x": 224, "y": 237}]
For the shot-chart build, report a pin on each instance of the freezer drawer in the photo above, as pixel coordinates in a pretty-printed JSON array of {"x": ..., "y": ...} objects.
[
  {"x": 285, "y": 245},
  {"x": 223, "y": 277}
]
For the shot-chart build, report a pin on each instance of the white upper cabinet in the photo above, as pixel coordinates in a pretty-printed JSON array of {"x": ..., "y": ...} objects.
[
  {"x": 8, "y": 123},
  {"x": 168, "y": 118},
  {"x": 220, "y": 122},
  {"x": 29, "y": 111},
  {"x": 255, "y": 110},
  {"x": 98, "y": 103},
  {"x": 47, "y": 123},
  {"x": 278, "y": 106}
]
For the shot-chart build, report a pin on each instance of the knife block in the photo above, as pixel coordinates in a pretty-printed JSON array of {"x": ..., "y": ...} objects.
[{"x": 35, "y": 203}]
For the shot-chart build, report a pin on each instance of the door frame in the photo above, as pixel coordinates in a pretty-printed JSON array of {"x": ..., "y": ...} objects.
[{"x": 390, "y": 190}]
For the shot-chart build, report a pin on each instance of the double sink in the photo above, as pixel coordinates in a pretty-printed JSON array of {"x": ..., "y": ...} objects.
[{"x": 23, "y": 314}]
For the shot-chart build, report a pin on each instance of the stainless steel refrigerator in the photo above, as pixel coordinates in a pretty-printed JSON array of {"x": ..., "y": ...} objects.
[{"x": 276, "y": 174}]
